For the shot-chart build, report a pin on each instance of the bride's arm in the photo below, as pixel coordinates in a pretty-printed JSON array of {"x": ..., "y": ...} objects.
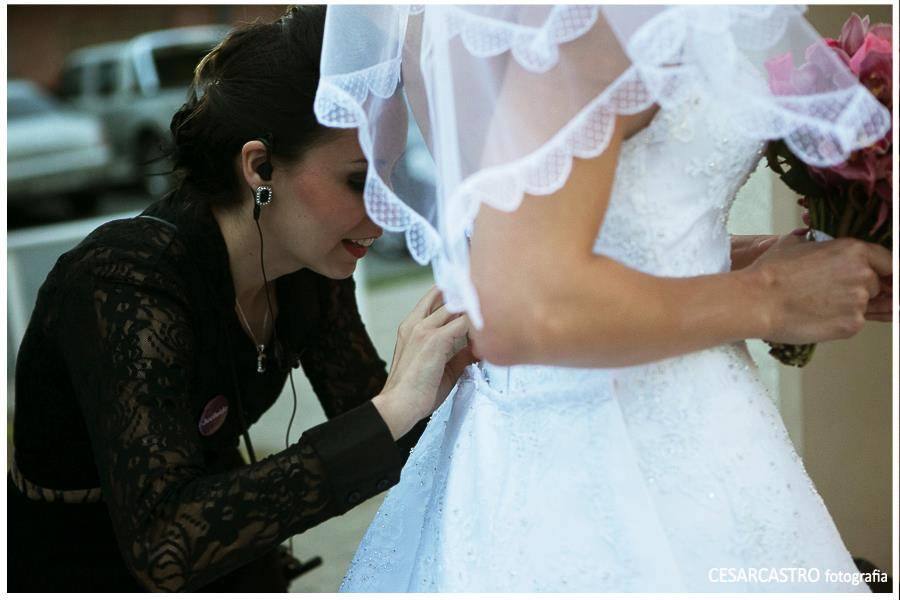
[{"x": 546, "y": 298}]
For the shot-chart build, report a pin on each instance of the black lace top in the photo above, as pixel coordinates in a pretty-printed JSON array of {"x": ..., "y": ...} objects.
[{"x": 132, "y": 336}]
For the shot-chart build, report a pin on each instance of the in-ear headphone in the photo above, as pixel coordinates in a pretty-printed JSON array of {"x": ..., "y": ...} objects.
[
  {"x": 263, "y": 193},
  {"x": 265, "y": 170}
]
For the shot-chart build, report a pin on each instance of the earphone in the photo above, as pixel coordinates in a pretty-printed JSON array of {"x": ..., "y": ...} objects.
[
  {"x": 263, "y": 194},
  {"x": 263, "y": 197}
]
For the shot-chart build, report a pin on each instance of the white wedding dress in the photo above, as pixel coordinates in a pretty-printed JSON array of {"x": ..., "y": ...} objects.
[{"x": 658, "y": 477}]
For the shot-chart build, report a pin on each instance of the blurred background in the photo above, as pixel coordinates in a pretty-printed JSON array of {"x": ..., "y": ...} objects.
[{"x": 90, "y": 93}]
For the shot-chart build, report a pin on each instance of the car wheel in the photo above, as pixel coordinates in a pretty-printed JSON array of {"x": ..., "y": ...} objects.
[{"x": 153, "y": 167}]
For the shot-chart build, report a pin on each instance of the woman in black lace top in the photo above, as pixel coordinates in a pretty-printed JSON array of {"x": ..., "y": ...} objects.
[{"x": 154, "y": 344}]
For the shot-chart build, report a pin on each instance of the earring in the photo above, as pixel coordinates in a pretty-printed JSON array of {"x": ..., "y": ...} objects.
[{"x": 263, "y": 195}]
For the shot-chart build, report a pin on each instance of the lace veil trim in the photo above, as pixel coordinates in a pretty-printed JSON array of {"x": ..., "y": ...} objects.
[{"x": 719, "y": 52}]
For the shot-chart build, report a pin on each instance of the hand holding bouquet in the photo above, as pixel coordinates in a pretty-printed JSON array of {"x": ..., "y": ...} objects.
[{"x": 852, "y": 199}]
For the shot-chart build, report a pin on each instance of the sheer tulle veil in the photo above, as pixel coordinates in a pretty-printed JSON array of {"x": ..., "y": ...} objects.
[{"x": 506, "y": 96}]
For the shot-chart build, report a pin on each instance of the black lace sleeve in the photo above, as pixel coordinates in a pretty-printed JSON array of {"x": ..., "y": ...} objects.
[
  {"x": 126, "y": 335},
  {"x": 343, "y": 364}
]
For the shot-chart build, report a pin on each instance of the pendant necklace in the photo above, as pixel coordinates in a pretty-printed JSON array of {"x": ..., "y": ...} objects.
[{"x": 260, "y": 348}]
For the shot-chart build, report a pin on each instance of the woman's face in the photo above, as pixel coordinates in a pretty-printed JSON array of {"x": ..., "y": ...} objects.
[{"x": 317, "y": 218}]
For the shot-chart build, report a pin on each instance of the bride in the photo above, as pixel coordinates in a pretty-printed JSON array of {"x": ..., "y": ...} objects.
[{"x": 616, "y": 436}]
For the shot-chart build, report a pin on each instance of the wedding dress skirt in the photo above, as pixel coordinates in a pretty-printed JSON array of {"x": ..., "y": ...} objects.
[{"x": 676, "y": 475}]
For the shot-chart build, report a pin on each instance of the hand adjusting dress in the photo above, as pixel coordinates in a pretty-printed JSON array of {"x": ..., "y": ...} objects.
[
  {"x": 133, "y": 334},
  {"x": 669, "y": 476}
]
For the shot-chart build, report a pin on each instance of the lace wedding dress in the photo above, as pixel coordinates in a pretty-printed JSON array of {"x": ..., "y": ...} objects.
[{"x": 676, "y": 475}]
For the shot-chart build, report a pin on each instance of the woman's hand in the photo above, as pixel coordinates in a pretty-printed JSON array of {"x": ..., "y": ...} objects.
[
  {"x": 431, "y": 353},
  {"x": 881, "y": 307},
  {"x": 745, "y": 249},
  {"x": 822, "y": 291}
]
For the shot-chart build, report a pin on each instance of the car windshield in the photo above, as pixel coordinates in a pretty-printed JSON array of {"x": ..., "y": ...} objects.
[
  {"x": 175, "y": 65},
  {"x": 24, "y": 104}
]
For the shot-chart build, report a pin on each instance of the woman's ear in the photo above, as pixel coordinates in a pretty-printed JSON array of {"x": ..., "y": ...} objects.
[{"x": 253, "y": 155}]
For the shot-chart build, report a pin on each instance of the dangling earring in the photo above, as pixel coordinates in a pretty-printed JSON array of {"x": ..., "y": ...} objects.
[{"x": 263, "y": 195}]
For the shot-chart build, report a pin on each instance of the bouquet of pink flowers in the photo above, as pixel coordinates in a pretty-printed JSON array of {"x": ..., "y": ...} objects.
[{"x": 852, "y": 199}]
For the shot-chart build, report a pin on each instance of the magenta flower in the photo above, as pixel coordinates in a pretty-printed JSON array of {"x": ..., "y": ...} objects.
[
  {"x": 872, "y": 64},
  {"x": 867, "y": 53},
  {"x": 865, "y": 50},
  {"x": 853, "y": 33}
]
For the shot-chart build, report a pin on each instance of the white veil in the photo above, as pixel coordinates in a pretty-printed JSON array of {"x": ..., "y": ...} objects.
[{"x": 506, "y": 96}]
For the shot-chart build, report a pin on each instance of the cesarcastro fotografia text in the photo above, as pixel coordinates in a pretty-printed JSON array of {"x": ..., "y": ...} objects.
[{"x": 792, "y": 575}]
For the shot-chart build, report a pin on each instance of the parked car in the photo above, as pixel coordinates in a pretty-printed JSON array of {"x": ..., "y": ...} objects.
[
  {"x": 135, "y": 87},
  {"x": 52, "y": 150}
]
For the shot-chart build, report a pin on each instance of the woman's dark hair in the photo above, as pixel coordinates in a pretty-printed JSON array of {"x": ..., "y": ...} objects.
[{"x": 259, "y": 82}]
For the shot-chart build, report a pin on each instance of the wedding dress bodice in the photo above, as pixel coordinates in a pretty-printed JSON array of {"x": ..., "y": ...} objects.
[{"x": 674, "y": 185}]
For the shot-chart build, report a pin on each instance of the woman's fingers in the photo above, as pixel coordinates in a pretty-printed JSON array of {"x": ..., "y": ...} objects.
[
  {"x": 879, "y": 259},
  {"x": 873, "y": 286},
  {"x": 746, "y": 249},
  {"x": 462, "y": 359},
  {"x": 440, "y": 317},
  {"x": 880, "y": 307},
  {"x": 437, "y": 318},
  {"x": 880, "y": 317},
  {"x": 426, "y": 303},
  {"x": 437, "y": 301},
  {"x": 763, "y": 243},
  {"x": 456, "y": 327},
  {"x": 880, "y": 304}
]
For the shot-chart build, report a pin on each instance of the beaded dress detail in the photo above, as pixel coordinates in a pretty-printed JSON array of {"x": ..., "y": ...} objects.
[{"x": 658, "y": 477}]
